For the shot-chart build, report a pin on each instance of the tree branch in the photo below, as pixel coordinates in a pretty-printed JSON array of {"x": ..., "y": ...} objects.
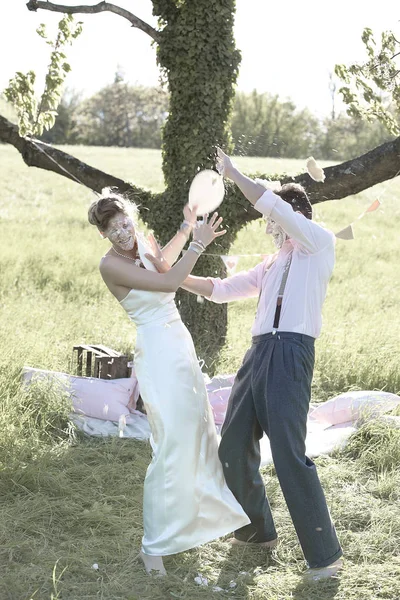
[
  {"x": 351, "y": 177},
  {"x": 96, "y": 8},
  {"x": 43, "y": 156},
  {"x": 355, "y": 175}
]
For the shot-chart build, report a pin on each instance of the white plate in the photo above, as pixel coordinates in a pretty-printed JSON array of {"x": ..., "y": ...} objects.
[{"x": 206, "y": 191}]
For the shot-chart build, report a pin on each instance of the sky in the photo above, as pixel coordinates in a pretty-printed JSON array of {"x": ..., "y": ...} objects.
[{"x": 288, "y": 48}]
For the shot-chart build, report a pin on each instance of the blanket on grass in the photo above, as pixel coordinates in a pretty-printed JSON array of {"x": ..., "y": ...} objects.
[{"x": 108, "y": 408}]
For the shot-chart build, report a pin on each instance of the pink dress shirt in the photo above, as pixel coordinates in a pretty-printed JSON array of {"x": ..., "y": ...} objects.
[{"x": 313, "y": 258}]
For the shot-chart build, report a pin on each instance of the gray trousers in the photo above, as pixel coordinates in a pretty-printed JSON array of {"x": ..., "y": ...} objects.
[{"x": 271, "y": 394}]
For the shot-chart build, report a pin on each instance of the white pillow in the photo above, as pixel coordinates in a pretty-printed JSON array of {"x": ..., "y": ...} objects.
[
  {"x": 351, "y": 406},
  {"x": 105, "y": 399}
]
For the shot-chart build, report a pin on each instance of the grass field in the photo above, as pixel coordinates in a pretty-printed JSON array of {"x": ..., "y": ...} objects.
[{"x": 68, "y": 502}]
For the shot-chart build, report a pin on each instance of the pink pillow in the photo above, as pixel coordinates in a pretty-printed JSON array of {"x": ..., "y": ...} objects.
[
  {"x": 219, "y": 403},
  {"x": 105, "y": 399}
]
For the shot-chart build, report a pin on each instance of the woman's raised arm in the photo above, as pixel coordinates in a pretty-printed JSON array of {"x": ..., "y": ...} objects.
[
  {"x": 172, "y": 250},
  {"x": 124, "y": 273}
]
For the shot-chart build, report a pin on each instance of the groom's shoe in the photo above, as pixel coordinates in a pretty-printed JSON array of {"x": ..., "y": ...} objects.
[
  {"x": 324, "y": 572},
  {"x": 271, "y": 544}
]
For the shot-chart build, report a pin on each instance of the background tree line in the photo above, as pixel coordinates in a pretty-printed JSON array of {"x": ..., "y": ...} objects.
[{"x": 261, "y": 125}]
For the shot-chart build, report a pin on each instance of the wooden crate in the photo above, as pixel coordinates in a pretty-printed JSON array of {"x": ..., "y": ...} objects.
[{"x": 102, "y": 362}]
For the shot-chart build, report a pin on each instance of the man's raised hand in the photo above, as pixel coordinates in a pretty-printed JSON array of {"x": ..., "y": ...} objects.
[{"x": 224, "y": 164}]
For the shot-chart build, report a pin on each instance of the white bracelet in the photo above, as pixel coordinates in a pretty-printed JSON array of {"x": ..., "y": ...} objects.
[
  {"x": 196, "y": 248},
  {"x": 200, "y": 243}
]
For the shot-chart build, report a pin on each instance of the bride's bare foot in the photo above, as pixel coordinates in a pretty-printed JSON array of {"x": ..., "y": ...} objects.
[
  {"x": 153, "y": 564},
  {"x": 271, "y": 544}
]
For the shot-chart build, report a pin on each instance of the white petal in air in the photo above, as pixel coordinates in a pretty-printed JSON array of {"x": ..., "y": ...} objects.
[
  {"x": 314, "y": 171},
  {"x": 200, "y": 580},
  {"x": 121, "y": 425}
]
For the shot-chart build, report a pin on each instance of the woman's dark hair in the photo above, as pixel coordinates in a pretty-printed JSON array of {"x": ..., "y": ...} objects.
[
  {"x": 102, "y": 210},
  {"x": 295, "y": 195}
]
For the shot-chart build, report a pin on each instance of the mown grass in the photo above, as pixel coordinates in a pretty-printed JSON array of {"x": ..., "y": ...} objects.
[{"x": 68, "y": 502}]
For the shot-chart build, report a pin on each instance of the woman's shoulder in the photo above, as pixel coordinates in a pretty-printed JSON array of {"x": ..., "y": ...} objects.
[
  {"x": 108, "y": 267},
  {"x": 107, "y": 263}
]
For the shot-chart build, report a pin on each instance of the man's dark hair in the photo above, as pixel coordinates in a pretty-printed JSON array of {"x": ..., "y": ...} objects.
[{"x": 295, "y": 195}]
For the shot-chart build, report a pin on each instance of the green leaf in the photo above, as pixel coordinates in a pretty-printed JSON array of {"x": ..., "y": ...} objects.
[{"x": 41, "y": 30}]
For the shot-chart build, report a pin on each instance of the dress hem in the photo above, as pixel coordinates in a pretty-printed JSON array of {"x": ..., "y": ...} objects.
[{"x": 199, "y": 543}]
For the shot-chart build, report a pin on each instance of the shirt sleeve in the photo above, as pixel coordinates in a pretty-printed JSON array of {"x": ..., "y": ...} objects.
[
  {"x": 246, "y": 284},
  {"x": 309, "y": 235}
]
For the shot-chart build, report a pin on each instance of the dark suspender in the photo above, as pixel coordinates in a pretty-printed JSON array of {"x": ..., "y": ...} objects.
[{"x": 281, "y": 290}]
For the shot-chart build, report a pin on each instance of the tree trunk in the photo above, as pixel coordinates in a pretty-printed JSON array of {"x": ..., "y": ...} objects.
[
  {"x": 198, "y": 55},
  {"x": 206, "y": 321}
]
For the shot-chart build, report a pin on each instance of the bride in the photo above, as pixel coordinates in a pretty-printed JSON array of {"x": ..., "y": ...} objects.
[{"x": 186, "y": 500}]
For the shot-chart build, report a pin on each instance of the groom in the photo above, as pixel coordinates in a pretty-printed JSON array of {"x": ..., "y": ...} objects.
[{"x": 272, "y": 389}]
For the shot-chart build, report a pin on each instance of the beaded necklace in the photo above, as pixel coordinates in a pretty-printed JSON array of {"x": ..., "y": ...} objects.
[{"x": 136, "y": 260}]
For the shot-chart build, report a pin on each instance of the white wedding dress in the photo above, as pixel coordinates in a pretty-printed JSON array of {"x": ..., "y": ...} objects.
[{"x": 186, "y": 500}]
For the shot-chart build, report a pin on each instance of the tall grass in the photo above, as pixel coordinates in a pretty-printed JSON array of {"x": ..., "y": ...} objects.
[{"x": 68, "y": 502}]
